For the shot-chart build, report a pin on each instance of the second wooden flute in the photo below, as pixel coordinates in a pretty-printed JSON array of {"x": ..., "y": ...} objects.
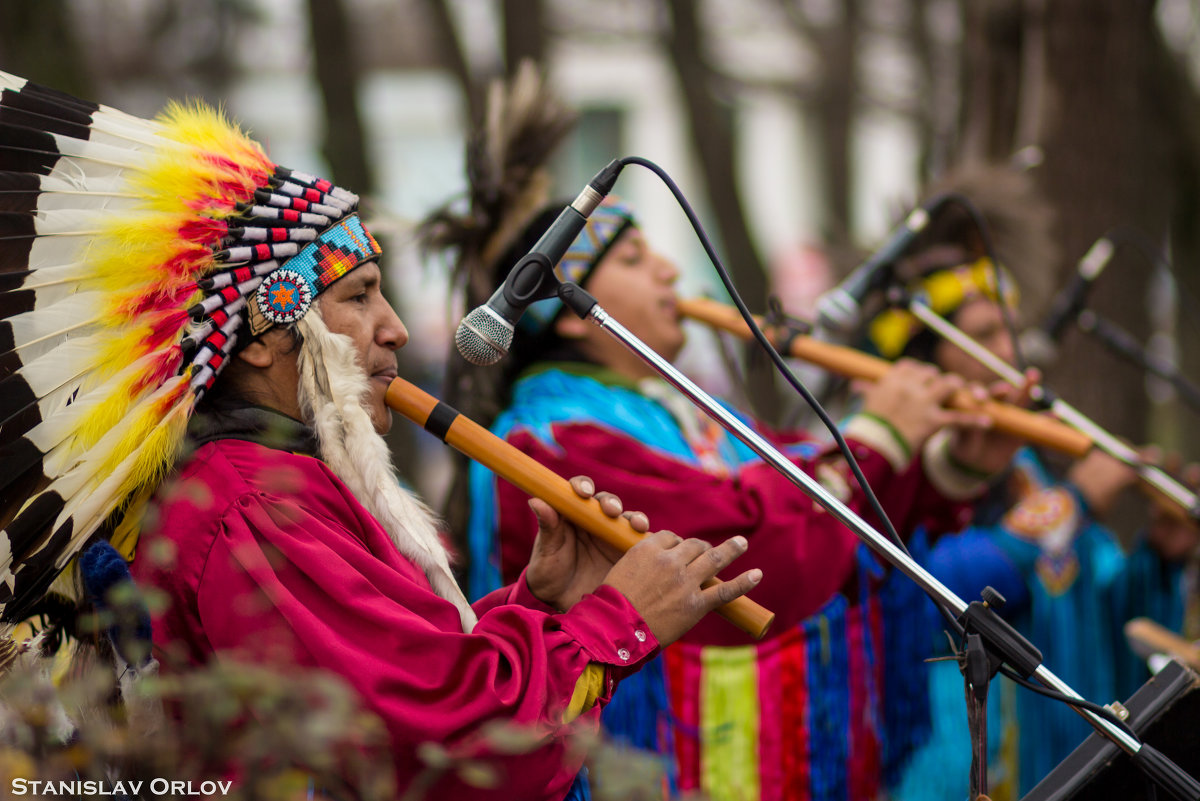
[
  {"x": 529, "y": 475},
  {"x": 1146, "y": 635},
  {"x": 1030, "y": 426}
]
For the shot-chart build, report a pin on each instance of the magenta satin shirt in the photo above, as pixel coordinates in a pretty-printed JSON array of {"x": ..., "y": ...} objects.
[{"x": 277, "y": 563}]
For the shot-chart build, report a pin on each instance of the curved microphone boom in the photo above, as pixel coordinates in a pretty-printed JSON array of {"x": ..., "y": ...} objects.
[{"x": 486, "y": 333}]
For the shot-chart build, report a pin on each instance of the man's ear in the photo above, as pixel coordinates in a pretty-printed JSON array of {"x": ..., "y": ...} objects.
[
  {"x": 261, "y": 353},
  {"x": 571, "y": 326}
]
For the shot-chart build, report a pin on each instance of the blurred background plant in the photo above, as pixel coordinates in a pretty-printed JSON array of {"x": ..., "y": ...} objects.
[
  {"x": 277, "y": 736},
  {"x": 273, "y": 734}
]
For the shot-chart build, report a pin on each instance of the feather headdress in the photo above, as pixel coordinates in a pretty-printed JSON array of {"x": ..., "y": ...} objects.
[
  {"x": 1020, "y": 222},
  {"x": 135, "y": 255}
]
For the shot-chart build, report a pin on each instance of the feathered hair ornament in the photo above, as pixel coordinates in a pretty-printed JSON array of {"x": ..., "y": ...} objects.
[
  {"x": 508, "y": 183},
  {"x": 136, "y": 256},
  {"x": 508, "y": 186},
  {"x": 1020, "y": 223}
]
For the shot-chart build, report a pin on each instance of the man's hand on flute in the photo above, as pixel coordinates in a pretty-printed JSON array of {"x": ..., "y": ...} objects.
[{"x": 661, "y": 575}]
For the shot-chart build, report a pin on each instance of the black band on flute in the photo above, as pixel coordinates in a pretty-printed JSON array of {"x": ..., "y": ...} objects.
[{"x": 440, "y": 420}]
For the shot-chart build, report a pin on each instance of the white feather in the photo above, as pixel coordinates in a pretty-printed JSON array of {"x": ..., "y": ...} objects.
[
  {"x": 72, "y": 221},
  {"x": 71, "y": 176},
  {"x": 73, "y": 314},
  {"x": 122, "y": 126},
  {"x": 52, "y": 284},
  {"x": 62, "y": 368},
  {"x": 101, "y": 490},
  {"x": 100, "y": 153},
  {"x": 53, "y": 430},
  {"x": 91, "y": 495},
  {"x": 52, "y": 275},
  {"x": 105, "y": 118},
  {"x": 62, "y": 236},
  {"x": 57, "y": 194},
  {"x": 89, "y": 174},
  {"x": 332, "y": 388}
]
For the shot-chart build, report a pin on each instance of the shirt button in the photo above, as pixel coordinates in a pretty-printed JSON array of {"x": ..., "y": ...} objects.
[
  {"x": 641, "y": 635},
  {"x": 623, "y": 653}
]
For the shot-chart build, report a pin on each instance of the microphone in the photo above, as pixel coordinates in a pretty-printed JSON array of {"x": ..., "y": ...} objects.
[
  {"x": 1041, "y": 344},
  {"x": 486, "y": 333},
  {"x": 840, "y": 309}
]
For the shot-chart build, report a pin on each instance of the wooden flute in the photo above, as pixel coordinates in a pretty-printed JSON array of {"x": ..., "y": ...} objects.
[
  {"x": 1036, "y": 428},
  {"x": 1147, "y": 636},
  {"x": 529, "y": 475}
]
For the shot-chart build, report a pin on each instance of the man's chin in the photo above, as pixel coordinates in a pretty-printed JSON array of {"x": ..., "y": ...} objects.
[{"x": 382, "y": 423}]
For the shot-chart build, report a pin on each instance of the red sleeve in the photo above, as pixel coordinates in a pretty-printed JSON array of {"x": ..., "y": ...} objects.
[
  {"x": 516, "y": 593},
  {"x": 281, "y": 586},
  {"x": 926, "y": 491},
  {"x": 806, "y": 556}
]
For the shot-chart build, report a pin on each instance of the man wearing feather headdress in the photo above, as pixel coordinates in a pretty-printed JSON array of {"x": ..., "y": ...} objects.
[{"x": 176, "y": 306}]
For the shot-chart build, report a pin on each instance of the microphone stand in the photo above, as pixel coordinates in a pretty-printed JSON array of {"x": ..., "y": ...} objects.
[
  {"x": 1105, "y": 441},
  {"x": 1122, "y": 343},
  {"x": 978, "y": 617}
]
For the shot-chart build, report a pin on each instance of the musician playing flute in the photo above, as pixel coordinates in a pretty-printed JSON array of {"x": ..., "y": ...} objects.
[
  {"x": 798, "y": 714},
  {"x": 249, "y": 348},
  {"x": 1039, "y": 537}
]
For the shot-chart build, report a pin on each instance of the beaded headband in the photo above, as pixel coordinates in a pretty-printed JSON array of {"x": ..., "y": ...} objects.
[{"x": 603, "y": 228}]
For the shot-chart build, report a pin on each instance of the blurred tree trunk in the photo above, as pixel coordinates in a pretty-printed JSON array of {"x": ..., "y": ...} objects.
[
  {"x": 338, "y": 76},
  {"x": 992, "y": 58},
  {"x": 1084, "y": 82},
  {"x": 1177, "y": 96},
  {"x": 711, "y": 122},
  {"x": 524, "y": 33},
  {"x": 836, "y": 100},
  {"x": 1105, "y": 142},
  {"x": 454, "y": 59},
  {"x": 712, "y": 125},
  {"x": 38, "y": 42}
]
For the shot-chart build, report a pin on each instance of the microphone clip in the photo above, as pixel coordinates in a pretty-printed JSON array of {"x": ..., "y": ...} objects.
[{"x": 533, "y": 279}]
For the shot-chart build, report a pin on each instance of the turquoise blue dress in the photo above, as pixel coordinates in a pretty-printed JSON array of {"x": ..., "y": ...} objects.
[{"x": 1070, "y": 588}]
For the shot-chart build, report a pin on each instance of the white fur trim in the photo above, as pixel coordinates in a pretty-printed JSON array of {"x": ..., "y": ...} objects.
[{"x": 333, "y": 386}]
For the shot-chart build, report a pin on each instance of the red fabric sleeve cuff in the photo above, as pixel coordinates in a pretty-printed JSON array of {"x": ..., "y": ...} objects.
[
  {"x": 609, "y": 629},
  {"x": 523, "y": 596}
]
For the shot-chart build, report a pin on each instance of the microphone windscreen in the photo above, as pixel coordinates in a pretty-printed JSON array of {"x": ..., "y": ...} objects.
[{"x": 483, "y": 337}]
